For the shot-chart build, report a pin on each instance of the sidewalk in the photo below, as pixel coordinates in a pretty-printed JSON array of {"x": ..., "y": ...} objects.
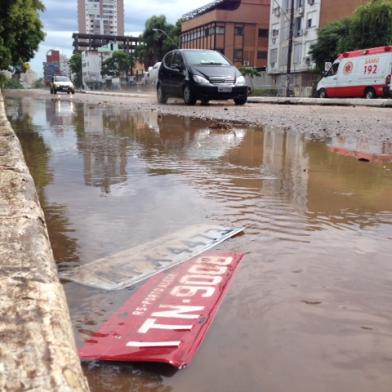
[
  {"x": 377, "y": 103},
  {"x": 37, "y": 348}
]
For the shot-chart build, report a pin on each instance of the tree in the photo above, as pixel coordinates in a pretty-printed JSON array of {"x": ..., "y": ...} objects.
[
  {"x": 329, "y": 42},
  {"x": 251, "y": 73},
  {"x": 159, "y": 37},
  {"x": 119, "y": 63},
  {"x": 20, "y": 32},
  {"x": 75, "y": 63},
  {"x": 370, "y": 26}
]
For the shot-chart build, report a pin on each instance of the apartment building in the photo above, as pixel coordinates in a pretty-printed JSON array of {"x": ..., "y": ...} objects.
[
  {"x": 104, "y": 17},
  {"x": 236, "y": 28},
  {"x": 309, "y": 17}
]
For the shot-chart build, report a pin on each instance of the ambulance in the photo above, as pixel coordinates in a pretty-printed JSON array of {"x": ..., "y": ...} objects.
[{"x": 362, "y": 73}]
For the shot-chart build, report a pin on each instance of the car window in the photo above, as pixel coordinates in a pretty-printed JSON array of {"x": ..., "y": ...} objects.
[
  {"x": 333, "y": 70},
  {"x": 61, "y": 79},
  {"x": 210, "y": 57},
  {"x": 168, "y": 60},
  {"x": 177, "y": 60}
]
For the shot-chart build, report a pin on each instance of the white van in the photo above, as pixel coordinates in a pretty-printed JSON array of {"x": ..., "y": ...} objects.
[{"x": 361, "y": 73}]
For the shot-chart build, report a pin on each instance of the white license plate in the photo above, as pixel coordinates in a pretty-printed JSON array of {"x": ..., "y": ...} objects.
[{"x": 225, "y": 89}]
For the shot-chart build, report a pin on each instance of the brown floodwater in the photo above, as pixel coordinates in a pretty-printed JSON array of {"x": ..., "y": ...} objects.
[{"x": 310, "y": 309}]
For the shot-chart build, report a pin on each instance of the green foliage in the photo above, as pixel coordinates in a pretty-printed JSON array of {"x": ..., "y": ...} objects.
[
  {"x": 329, "y": 42},
  {"x": 75, "y": 63},
  {"x": 20, "y": 31},
  {"x": 250, "y": 71},
  {"x": 159, "y": 37},
  {"x": 264, "y": 92},
  {"x": 119, "y": 63},
  {"x": 370, "y": 26},
  {"x": 9, "y": 83}
]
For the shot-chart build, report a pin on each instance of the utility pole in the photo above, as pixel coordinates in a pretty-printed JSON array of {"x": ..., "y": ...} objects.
[{"x": 290, "y": 49}]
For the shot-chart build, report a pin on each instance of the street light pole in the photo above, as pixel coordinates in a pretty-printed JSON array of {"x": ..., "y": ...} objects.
[
  {"x": 290, "y": 49},
  {"x": 166, "y": 35}
]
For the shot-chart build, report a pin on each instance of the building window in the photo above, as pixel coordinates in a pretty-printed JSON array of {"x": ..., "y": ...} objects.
[
  {"x": 239, "y": 30},
  {"x": 238, "y": 54},
  {"x": 298, "y": 27},
  {"x": 262, "y": 55},
  {"x": 298, "y": 54},
  {"x": 310, "y": 20},
  {"x": 273, "y": 57},
  {"x": 220, "y": 30},
  {"x": 263, "y": 33}
]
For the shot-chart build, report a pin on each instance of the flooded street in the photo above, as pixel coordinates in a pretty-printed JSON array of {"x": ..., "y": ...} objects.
[{"x": 310, "y": 310}]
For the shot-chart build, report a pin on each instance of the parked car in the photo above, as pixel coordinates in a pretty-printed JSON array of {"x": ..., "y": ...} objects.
[
  {"x": 362, "y": 73},
  {"x": 153, "y": 75},
  {"x": 195, "y": 74},
  {"x": 63, "y": 84}
]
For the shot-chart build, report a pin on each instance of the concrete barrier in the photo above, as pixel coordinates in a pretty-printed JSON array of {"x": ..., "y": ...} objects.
[
  {"x": 37, "y": 348},
  {"x": 378, "y": 103}
]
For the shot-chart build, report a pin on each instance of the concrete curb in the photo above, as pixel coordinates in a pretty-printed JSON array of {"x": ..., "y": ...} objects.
[
  {"x": 377, "y": 103},
  {"x": 37, "y": 348}
]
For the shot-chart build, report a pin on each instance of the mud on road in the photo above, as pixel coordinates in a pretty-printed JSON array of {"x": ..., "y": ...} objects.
[{"x": 372, "y": 125}]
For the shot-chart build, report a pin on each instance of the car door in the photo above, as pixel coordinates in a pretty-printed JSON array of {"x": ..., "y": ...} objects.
[
  {"x": 165, "y": 73},
  {"x": 178, "y": 74},
  {"x": 330, "y": 81}
]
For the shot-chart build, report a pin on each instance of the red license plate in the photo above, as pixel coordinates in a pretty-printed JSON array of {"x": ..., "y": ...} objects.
[{"x": 167, "y": 319}]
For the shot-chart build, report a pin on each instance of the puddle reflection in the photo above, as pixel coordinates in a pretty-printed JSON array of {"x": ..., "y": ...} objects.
[{"x": 315, "y": 284}]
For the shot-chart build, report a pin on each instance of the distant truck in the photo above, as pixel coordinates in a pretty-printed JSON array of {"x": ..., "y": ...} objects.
[{"x": 362, "y": 73}]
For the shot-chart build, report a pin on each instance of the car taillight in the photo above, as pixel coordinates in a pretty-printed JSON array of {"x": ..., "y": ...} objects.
[{"x": 388, "y": 79}]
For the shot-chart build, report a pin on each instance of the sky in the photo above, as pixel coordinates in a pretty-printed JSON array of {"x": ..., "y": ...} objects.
[{"x": 61, "y": 20}]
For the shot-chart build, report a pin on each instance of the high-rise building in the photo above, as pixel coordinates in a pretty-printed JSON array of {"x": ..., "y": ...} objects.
[{"x": 105, "y": 17}]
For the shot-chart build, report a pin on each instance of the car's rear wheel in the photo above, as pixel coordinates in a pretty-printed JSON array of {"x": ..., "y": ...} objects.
[
  {"x": 241, "y": 100},
  {"x": 370, "y": 93},
  {"x": 189, "y": 98},
  {"x": 161, "y": 95}
]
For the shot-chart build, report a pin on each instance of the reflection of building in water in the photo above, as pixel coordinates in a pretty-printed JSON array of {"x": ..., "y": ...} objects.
[
  {"x": 362, "y": 148},
  {"x": 104, "y": 153},
  {"x": 59, "y": 112},
  {"x": 284, "y": 157}
]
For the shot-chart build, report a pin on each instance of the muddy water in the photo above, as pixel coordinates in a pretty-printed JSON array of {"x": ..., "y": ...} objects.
[{"x": 311, "y": 308}]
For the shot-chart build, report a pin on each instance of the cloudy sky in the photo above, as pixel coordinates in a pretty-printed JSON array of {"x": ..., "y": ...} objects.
[{"x": 60, "y": 21}]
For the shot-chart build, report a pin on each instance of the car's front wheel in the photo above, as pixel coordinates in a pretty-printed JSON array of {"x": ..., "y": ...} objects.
[
  {"x": 241, "y": 100},
  {"x": 322, "y": 93},
  {"x": 370, "y": 93},
  {"x": 161, "y": 95},
  {"x": 189, "y": 98}
]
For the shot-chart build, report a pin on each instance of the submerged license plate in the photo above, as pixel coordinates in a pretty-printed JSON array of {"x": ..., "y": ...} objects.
[
  {"x": 225, "y": 89},
  {"x": 167, "y": 319},
  {"x": 129, "y": 267}
]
